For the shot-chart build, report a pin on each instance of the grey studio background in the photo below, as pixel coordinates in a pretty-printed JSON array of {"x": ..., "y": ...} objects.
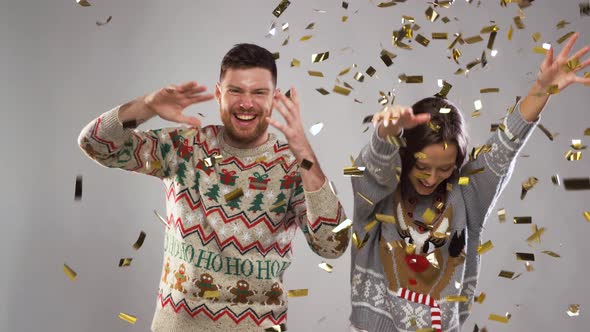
[{"x": 60, "y": 70}]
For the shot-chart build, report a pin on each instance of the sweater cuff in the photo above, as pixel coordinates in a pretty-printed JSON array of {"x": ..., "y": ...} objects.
[
  {"x": 382, "y": 147},
  {"x": 111, "y": 124},
  {"x": 516, "y": 125},
  {"x": 321, "y": 202}
]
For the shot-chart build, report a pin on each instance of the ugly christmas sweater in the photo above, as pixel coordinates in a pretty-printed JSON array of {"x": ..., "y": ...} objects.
[
  {"x": 408, "y": 267},
  {"x": 230, "y": 221}
]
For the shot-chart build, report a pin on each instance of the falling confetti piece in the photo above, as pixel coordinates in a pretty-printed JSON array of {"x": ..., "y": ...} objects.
[
  {"x": 573, "y": 155},
  {"x": 235, "y": 194},
  {"x": 527, "y": 186},
  {"x": 354, "y": 171},
  {"x": 577, "y": 144},
  {"x": 455, "y": 298},
  {"x": 478, "y": 105},
  {"x": 315, "y": 73},
  {"x": 277, "y": 328},
  {"x": 565, "y": 37},
  {"x": 573, "y": 310},
  {"x": 390, "y": 219},
  {"x": 128, "y": 318},
  {"x": 305, "y": 38},
  {"x": 295, "y": 63},
  {"x": 522, "y": 220},
  {"x": 489, "y": 90},
  {"x": 440, "y": 35},
  {"x": 211, "y": 294},
  {"x": 551, "y": 253},
  {"x": 536, "y": 236},
  {"x": 78, "y": 188},
  {"x": 584, "y": 9},
  {"x": 587, "y": 215},
  {"x": 365, "y": 198},
  {"x": 70, "y": 273},
  {"x": 323, "y": 91},
  {"x": 342, "y": 226},
  {"x": 463, "y": 180},
  {"x": 576, "y": 183},
  {"x": 502, "y": 215},
  {"x": 521, "y": 256},
  {"x": 316, "y": 128},
  {"x": 473, "y": 40},
  {"x": 161, "y": 218},
  {"x": 546, "y": 131},
  {"x": 499, "y": 318},
  {"x": 431, "y": 14},
  {"x": 125, "y": 262},
  {"x": 98, "y": 23},
  {"x": 298, "y": 292},
  {"x": 83, "y": 3},
  {"x": 139, "y": 241},
  {"x": 319, "y": 57},
  {"x": 341, "y": 90},
  {"x": 480, "y": 298},
  {"x": 422, "y": 40},
  {"x": 326, "y": 267},
  {"x": 485, "y": 247},
  {"x": 370, "y": 225},
  {"x": 280, "y": 9},
  {"x": 428, "y": 216},
  {"x": 506, "y": 274}
]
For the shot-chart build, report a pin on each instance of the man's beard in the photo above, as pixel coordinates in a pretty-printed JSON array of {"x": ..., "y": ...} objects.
[{"x": 244, "y": 137}]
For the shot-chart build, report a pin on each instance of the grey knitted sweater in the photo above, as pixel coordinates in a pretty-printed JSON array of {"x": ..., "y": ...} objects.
[{"x": 380, "y": 269}]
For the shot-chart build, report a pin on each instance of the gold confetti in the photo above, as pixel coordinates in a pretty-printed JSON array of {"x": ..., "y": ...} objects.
[
  {"x": 359, "y": 77},
  {"x": 577, "y": 144},
  {"x": 297, "y": 292},
  {"x": 444, "y": 110},
  {"x": 277, "y": 328},
  {"x": 280, "y": 9},
  {"x": 161, "y": 218},
  {"x": 420, "y": 155},
  {"x": 323, "y": 91},
  {"x": 573, "y": 310},
  {"x": 572, "y": 65},
  {"x": 455, "y": 298},
  {"x": 422, "y": 40},
  {"x": 319, "y": 57},
  {"x": 480, "y": 298},
  {"x": 459, "y": 38},
  {"x": 432, "y": 260},
  {"x": 285, "y": 26},
  {"x": 365, "y": 198},
  {"x": 211, "y": 294},
  {"x": 83, "y": 3},
  {"x": 276, "y": 55},
  {"x": 446, "y": 20},
  {"x": 305, "y": 38},
  {"x": 561, "y": 24},
  {"x": 443, "y": 93},
  {"x": 235, "y": 194},
  {"x": 522, "y": 220},
  {"x": 565, "y": 37},
  {"x": 489, "y": 90},
  {"x": 546, "y": 131},
  {"x": 354, "y": 171},
  {"x": 527, "y": 186},
  {"x": 390, "y": 219},
  {"x": 348, "y": 86},
  {"x": 277, "y": 205},
  {"x": 506, "y": 274},
  {"x": 310, "y": 26},
  {"x": 410, "y": 248},
  {"x": 555, "y": 179},
  {"x": 529, "y": 267},
  {"x": 521, "y": 256},
  {"x": 499, "y": 318},
  {"x": 485, "y": 247},
  {"x": 586, "y": 215},
  {"x": 370, "y": 225},
  {"x": 70, "y": 273},
  {"x": 510, "y": 31},
  {"x": 128, "y": 318},
  {"x": 551, "y": 253},
  {"x": 78, "y": 188},
  {"x": 478, "y": 105},
  {"x": 428, "y": 216},
  {"x": 371, "y": 71},
  {"x": 98, "y": 23},
  {"x": 576, "y": 183},
  {"x": 440, "y": 35},
  {"x": 539, "y": 50},
  {"x": 476, "y": 171},
  {"x": 326, "y": 267},
  {"x": 573, "y": 155},
  {"x": 518, "y": 22},
  {"x": 386, "y": 4},
  {"x": 473, "y": 40},
  {"x": 502, "y": 215},
  {"x": 431, "y": 14},
  {"x": 125, "y": 262},
  {"x": 449, "y": 187},
  {"x": 295, "y": 63},
  {"x": 386, "y": 59},
  {"x": 341, "y": 90},
  {"x": 463, "y": 180},
  {"x": 344, "y": 71},
  {"x": 491, "y": 41},
  {"x": 342, "y": 226},
  {"x": 411, "y": 79},
  {"x": 315, "y": 73},
  {"x": 316, "y": 128},
  {"x": 476, "y": 114},
  {"x": 422, "y": 175},
  {"x": 536, "y": 36},
  {"x": 536, "y": 236},
  {"x": 355, "y": 240},
  {"x": 139, "y": 241}
]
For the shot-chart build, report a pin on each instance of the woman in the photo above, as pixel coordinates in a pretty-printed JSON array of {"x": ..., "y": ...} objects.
[{"x": 422, "y": 249}]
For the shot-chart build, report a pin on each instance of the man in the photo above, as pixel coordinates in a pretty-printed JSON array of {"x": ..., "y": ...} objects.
[{"x": 235, "y": 194}]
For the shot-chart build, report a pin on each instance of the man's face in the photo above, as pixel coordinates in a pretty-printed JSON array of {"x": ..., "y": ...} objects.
[{"x": 245, "y": 99}]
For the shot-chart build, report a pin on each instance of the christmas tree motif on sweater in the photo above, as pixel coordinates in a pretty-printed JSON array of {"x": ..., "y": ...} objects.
[
  {"x": 197, "y": 178},
  {"x": 213, "y": 193},
  {"x": 281, "y": 208},
  {"x": 235, "y": 203},
  {"x": 228, "y": 177},
  {"x": 257, "y": 203},
  {"x": 124, "y": 155},
  {"x": 180, "y": 174},
  {"x": 164, "y": 149}
]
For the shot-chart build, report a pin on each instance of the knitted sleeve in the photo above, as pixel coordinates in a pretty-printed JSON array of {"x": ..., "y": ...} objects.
[
  {"x": 484, "y": 188},
  {"x": 152, "y": 152},
  {"x": 380, "y": 159},
  {"x": 317, "y": 213}
]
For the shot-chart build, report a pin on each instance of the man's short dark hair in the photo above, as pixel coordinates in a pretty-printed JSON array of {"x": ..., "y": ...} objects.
[{"x": 245, "y": 56}]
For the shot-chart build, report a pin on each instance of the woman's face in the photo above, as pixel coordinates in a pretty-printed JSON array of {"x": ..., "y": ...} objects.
[{"x": 433, "y": 165}]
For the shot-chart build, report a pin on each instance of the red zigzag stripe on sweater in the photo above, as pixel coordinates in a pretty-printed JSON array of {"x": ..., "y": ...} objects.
[{"x": 237, "y": 318}]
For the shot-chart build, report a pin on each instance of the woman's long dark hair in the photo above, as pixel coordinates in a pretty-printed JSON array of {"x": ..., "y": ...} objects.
[{"x": 451, "y": 130}]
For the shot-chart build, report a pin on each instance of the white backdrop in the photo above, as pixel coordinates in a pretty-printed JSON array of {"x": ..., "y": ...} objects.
[{"x": 60, "y": 70}]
